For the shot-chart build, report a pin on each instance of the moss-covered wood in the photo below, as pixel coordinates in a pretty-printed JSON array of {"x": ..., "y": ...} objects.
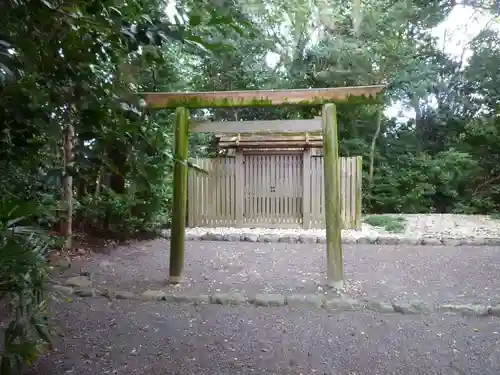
[
  {"x": 257, "y": 126},
  {"x": 262, "y": 98},
  {"x": 333, "y": 218},
  {"x": 305, "y": 97},
  {"x": 179, "y": 196}
]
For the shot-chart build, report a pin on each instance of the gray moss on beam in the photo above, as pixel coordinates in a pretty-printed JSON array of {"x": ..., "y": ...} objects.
[{"x": 264, "y": 98}]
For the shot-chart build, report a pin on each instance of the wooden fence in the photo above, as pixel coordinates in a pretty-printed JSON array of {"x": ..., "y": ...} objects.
[{"x": 271, "y": 191}]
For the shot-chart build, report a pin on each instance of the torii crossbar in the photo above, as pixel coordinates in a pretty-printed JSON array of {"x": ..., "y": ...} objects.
[{"x": 326, "y": 97}]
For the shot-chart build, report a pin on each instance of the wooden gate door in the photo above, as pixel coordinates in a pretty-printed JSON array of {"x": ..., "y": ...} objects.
[{"x": 273, "y": 191}]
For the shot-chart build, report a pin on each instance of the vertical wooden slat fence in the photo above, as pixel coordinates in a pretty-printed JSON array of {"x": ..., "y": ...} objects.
[{"x": 284, "y": 191}]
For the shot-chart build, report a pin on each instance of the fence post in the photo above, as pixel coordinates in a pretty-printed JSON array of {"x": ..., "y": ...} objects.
[
  {"x": 359, "y": 191},
  {"x": 306, "y": 189},
  {"x": 239, "y": 188},
  {"x": 333, "y": 219},
  {"x": 190, "y": 196},
  {"x": 181, "y": 132}
]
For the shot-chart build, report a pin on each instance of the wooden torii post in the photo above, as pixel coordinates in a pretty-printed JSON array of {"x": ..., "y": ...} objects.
[{"x": 182, "y": 101}]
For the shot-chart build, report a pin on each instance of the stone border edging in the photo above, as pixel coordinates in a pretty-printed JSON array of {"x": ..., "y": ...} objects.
[
  {"x": 380, "y": 239},
  {"x": 79, "y": 287}
]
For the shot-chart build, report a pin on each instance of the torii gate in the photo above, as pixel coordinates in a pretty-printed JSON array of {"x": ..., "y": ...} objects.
[{"x": 182, "y": 101}]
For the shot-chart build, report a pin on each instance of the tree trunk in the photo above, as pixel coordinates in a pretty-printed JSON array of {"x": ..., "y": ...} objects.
[
  {"x": 67, "y": 186},
  {"x": 415, "y": 103},
  {"x": 118, "y": 158},
  {"x": 372, "y": 150},
  {"x": 356, "y": 17}
]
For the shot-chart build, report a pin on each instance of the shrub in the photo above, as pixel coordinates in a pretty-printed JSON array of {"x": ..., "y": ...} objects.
[
  {"x": 393, "y": 224},
  {"x": 22, "y": 279},
  {"x": 124, "y": 215}
]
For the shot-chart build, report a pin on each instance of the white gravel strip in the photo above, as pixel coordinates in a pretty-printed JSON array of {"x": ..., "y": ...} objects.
[{"x": 421, "y": 229}]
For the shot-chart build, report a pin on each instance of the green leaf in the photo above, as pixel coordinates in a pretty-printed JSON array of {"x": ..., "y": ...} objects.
[
  {"x": 7, "y": 365},
  {"x": 195, "y": 19},
  {"x": 48, "y": 4},
  {"x": 116, "y": 10},
  {"x": 42, "y": 329},
  {"x": 26, "y": 351}
]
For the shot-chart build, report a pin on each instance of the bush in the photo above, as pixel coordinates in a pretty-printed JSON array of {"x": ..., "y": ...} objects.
[
  {"x": 22, "y": 279},
  {"x": 124, "y": 215},
  {"x": 425, "y": 184},
  {"x": 391, "y": 224}
]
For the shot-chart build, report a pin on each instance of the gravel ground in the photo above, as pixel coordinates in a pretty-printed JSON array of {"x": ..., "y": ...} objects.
[
  {"x": 465, "y": 274},
  {"x": 452, "y": 225},
  {"x": 131, "y": 337},
  {"x": 448, "y": 226}
]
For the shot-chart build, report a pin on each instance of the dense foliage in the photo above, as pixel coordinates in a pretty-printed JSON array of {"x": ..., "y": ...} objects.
[
  {"x": 22, "y": 286},
  {"x": 79, "y": 64},
  {"x": 74, "y": 67}
]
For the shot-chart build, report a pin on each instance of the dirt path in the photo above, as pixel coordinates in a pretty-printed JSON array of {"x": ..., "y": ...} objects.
[
  {"x": 134, "y": 338},
  {"x": 465, "y": 274}
]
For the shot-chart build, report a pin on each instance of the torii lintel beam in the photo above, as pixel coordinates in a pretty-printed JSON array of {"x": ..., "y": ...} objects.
[{"x": 261, "y": 98}]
